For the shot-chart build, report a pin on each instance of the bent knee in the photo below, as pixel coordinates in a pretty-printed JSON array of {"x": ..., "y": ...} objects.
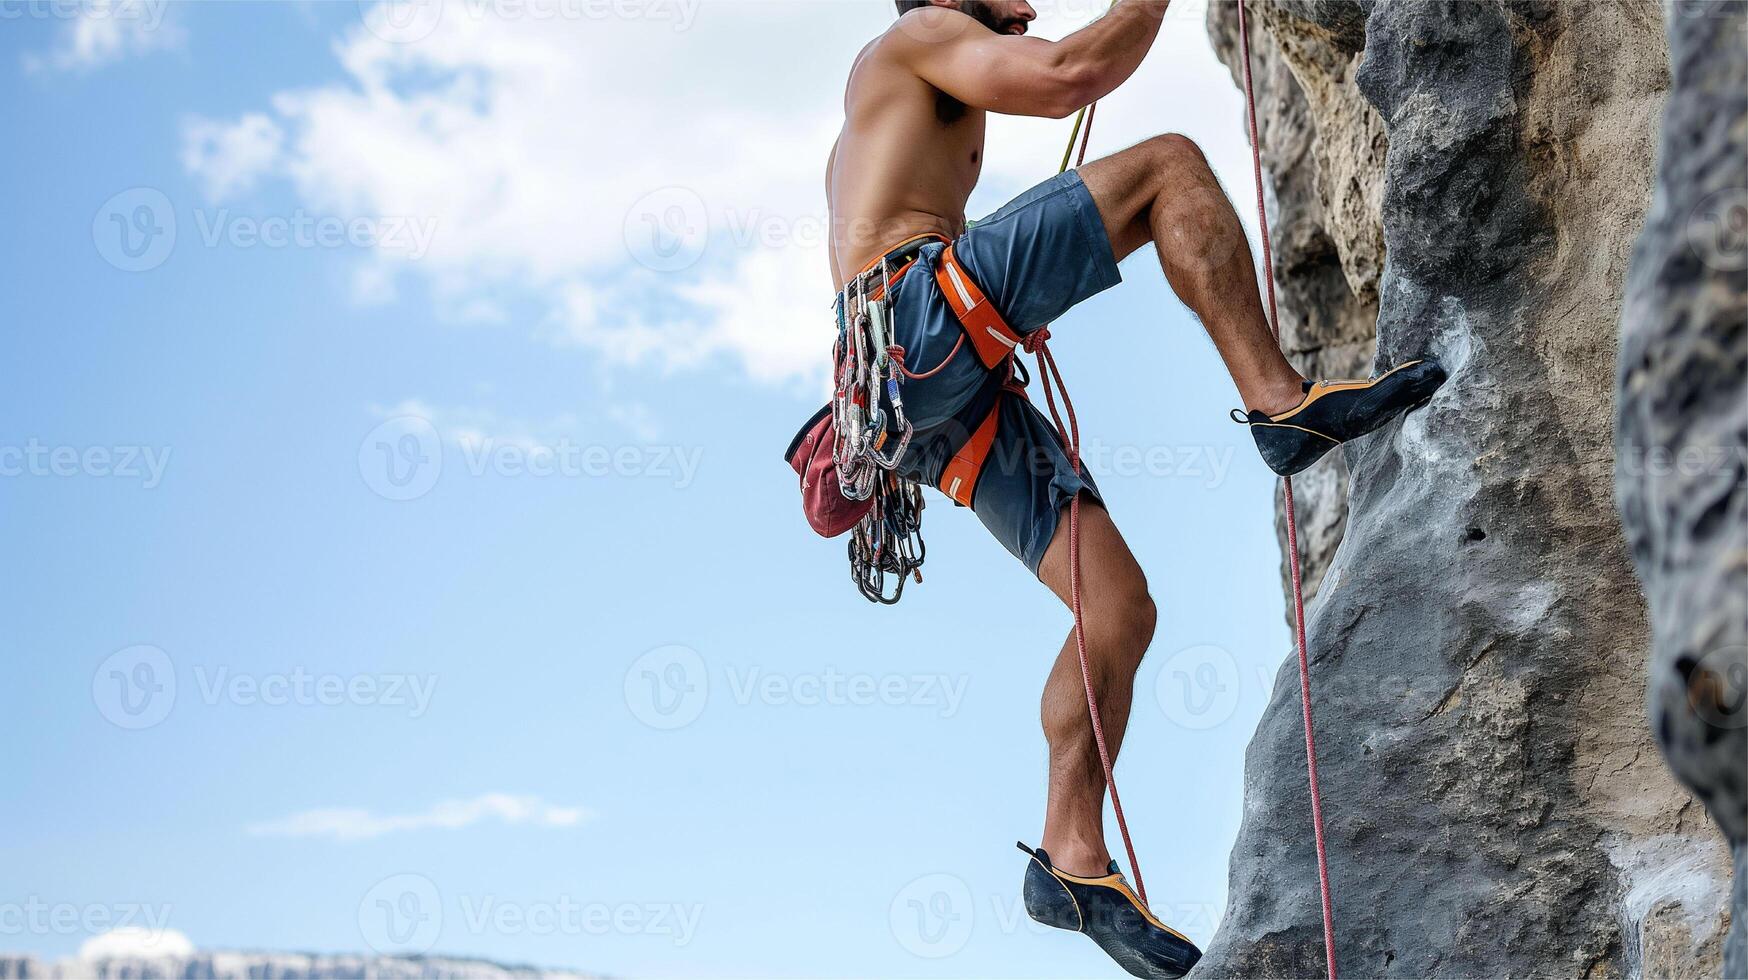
[
  {"x": 1126, "y": 625},
  {"x": 1175, "y": 153}
]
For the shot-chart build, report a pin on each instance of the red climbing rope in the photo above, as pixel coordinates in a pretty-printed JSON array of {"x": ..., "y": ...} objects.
[
  {"x": 1268, "y": 277},
  {"x": 1049, "y": 376}
]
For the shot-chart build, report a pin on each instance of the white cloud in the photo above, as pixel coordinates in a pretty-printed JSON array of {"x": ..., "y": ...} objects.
[
  {"x": 347, "y": 824},
  {"x": 100, "y": 32},
  {"x": 473, "y": 428},
  {"x": 538, "y": 144},
  {"x": 229, "y": 158}
]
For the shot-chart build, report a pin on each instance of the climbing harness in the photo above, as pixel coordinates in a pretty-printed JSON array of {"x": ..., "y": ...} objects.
[
  {"x": 871, "y": 432},
  {"x": 1268, "y": 277}
]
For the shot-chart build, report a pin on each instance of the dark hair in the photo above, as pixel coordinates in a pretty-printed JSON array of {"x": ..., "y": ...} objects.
[{"x": 906, "y": 6}]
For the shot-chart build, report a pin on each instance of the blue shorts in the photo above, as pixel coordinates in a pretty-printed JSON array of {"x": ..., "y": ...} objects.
[{"x": 1042, "y": 253}]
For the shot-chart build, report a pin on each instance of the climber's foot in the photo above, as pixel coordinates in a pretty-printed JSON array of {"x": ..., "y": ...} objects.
[
  {"x": 1333, "y": 412},
  {"x": 1109, "y": 912}
]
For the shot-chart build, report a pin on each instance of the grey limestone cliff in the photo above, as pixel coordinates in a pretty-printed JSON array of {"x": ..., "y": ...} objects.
[{"x": 1466, "y": 178}]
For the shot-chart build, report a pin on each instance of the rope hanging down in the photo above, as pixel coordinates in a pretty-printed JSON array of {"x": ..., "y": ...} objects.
[
  {"x": 1268, "y": 277},
  {"x": 1050, "y": 378}
]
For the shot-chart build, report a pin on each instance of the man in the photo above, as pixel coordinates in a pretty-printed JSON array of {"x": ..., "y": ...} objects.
[{"x": 900, "y": 173}]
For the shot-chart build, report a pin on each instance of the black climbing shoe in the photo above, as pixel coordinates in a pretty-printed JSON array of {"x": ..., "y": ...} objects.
[
  {"x": 1108, "y": 912},
  {"x": 1335, "y": 411}
]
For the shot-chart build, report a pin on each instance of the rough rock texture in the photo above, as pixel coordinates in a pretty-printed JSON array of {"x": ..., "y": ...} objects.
[
  {"x": 1472, "y": 174},
  {"x": 272, "y": 966},
  {"x": 1682, "y": 439}
]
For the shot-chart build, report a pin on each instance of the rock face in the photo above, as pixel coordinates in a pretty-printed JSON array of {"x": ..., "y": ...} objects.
[
  {"x": 1681, "y": 464},
  {"x": 271, "y": 966},
  {"x": 1465, "y": 178}
]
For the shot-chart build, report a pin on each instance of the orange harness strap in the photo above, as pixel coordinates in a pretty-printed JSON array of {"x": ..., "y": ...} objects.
[
  {"x": 995, "y": 343},
  {"x": 990, "y": 335},
  {"x": 959, "y": 477}
]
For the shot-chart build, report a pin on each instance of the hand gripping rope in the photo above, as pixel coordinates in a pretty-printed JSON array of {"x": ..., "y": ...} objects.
[{"x": 1050, "y": 377}]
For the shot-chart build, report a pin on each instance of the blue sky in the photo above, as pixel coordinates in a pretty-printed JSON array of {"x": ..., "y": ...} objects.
[{"x": 406, "y": 535}]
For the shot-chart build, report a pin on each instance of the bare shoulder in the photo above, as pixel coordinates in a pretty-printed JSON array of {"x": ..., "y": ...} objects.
[{"x": 925, "y": 31}]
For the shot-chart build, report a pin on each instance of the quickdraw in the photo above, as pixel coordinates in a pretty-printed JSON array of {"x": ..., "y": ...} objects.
[{"x": 870, "y": 436}]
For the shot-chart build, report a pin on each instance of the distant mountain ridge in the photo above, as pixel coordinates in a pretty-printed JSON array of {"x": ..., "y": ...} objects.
[{"x": 225, "y": 965}]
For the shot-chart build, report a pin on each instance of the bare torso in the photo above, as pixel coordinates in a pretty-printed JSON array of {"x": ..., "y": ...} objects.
[{"x": 904, "y": 164}]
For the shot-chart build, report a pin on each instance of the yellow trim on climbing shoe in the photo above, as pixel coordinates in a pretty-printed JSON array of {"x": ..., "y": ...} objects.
[
  {"x": 1078, "y": 914},
  {"x": 1119, "y": 883},
  {"x": 1322, "y": 388}
]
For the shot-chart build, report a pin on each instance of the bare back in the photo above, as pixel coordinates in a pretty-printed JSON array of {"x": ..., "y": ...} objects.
[{"x": 904, "y": 163}]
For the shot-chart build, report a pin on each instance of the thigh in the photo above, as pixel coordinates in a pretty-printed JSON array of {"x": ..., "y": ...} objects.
[
  {"x": 1041, "y": 253},
  {"x": 1107, "y": 566},
  {"x": 1122, "y": 188},
  {"x": 1169, "y": 170},
  {"x": 1026, "y": 483}
]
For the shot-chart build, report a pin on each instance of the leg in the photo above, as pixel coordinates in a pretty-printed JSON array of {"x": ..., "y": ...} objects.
[
  {"x": 1162, "y": 191},
  {"x": 1119, "y": 617}
]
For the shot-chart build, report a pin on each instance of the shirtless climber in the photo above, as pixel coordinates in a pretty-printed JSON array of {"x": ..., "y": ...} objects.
[{"x": 898, "y": 179}]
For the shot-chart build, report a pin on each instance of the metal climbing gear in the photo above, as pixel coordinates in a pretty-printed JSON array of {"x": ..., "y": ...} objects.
[{"x": 871, "y": 433}]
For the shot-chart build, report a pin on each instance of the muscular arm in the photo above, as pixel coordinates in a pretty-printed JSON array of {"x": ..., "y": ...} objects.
[{"x": 1025, "y": 76}]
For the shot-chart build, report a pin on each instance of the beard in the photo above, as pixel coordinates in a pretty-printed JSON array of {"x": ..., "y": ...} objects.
[{"x": 984, "y": 13}]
